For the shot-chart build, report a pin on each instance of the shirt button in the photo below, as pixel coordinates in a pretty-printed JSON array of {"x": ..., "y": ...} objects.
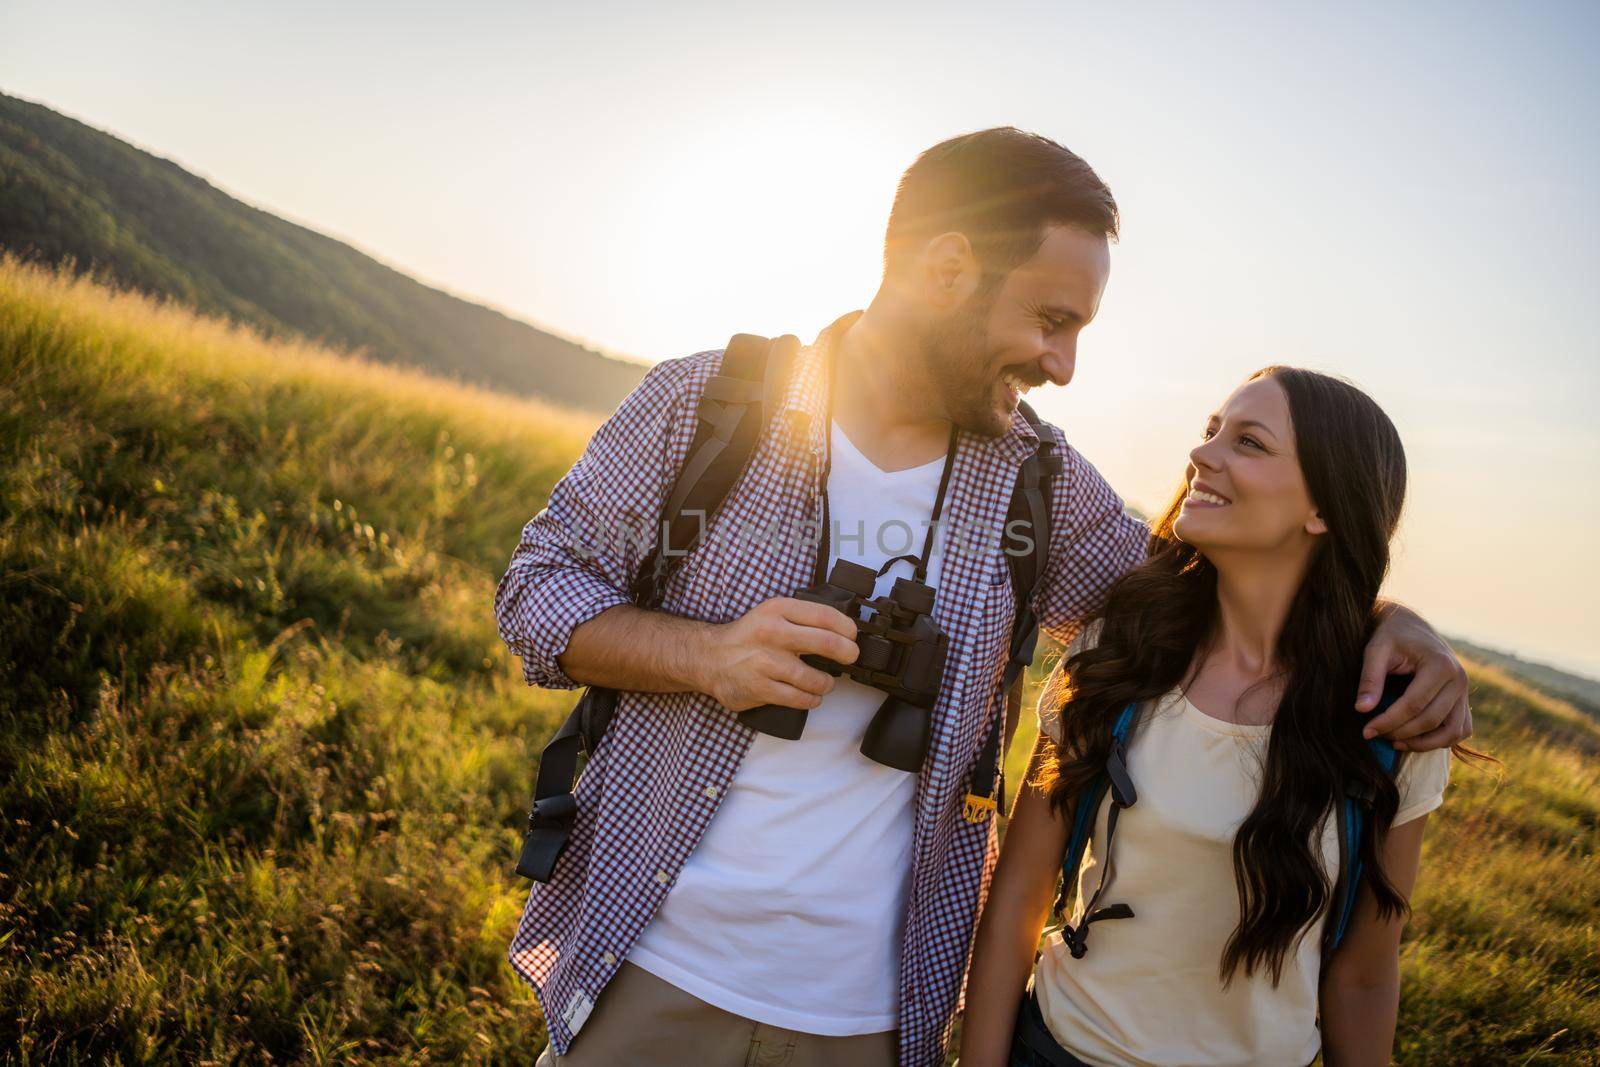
[
  {"x": 663, "y": 877},
  {"x": 608, "y": 958},
  {"x": 711, "y": 791}
]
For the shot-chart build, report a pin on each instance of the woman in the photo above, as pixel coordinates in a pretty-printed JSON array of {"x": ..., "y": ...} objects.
[{"x": 1239, "y": 645}]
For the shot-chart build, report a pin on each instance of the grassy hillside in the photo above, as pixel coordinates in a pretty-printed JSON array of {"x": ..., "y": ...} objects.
[
  {"x": 71, "y": 192},
  {"x": 262, "y": 758},
  {"x": 1581, "y": 692},
  {"x": 261, "y": 755}
]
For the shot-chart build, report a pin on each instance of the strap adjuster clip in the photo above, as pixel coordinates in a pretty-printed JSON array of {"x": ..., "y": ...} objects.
[{"x": 977, "y": 808}]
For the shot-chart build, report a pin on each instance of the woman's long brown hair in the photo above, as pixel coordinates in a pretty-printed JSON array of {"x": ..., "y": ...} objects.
[{"x": 1159, "y": 617}]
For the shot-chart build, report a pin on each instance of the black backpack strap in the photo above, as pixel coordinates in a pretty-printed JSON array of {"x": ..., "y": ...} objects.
[
  {"x": 555, "y": 808},
  {"x": 1030, "y": 506},
  {"x": 738, "y": 402}
]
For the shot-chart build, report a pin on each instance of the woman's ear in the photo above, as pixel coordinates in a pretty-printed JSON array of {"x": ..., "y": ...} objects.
[{"x": 1315, "y": 526}]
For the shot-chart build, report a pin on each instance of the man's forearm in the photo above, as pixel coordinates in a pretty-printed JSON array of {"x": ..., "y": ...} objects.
[
  {"x": 751, "y": 661},
  {"x": 626, "y": 647}
]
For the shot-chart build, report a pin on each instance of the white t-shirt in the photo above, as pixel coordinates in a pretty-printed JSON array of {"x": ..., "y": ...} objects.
[
  {"x": 1148, "y": 991},
  {"x": 791, "y": 909}
]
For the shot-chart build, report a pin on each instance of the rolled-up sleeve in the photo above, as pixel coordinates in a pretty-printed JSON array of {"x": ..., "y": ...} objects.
[
  {"x": 1093, "y": 542},
  {"x": 578, "y": 556}
]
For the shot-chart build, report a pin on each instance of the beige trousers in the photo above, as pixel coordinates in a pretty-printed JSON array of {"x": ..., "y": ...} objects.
[{"x": 641, "y": 1021}]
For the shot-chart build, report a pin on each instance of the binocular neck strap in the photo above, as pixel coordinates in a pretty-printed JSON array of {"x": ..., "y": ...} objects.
[
  {"x": 938, "y": 505},
  {"x": 824, "y": 541}
]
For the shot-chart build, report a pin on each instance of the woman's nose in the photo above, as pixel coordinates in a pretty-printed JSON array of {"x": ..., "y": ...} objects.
[{"x": 1200, "y": 456}]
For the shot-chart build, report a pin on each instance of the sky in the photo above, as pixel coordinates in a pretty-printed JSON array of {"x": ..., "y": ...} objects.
[{"x": 1403, "y": 194}]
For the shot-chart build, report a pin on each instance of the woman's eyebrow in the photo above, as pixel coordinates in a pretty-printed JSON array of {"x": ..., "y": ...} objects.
[{"x": 1258, "y": 424}]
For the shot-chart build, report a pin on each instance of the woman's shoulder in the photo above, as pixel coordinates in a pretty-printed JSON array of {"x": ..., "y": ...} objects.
[
  {"x": 1421, "y": 780},
  {"x": 1049, "y": 708},
  {"x": 1088, "y": 637}
]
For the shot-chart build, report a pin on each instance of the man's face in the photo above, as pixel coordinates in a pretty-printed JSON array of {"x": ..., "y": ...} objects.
[{"x": 1006, "y": 338}]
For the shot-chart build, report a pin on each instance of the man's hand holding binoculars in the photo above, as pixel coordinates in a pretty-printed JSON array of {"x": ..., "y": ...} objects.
[{"x": 755, "y": 660}]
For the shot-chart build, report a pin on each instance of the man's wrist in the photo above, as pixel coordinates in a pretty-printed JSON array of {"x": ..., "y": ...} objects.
[
  {"x": 692, "y": 654},
  {"x": 1386, "y": 609}
]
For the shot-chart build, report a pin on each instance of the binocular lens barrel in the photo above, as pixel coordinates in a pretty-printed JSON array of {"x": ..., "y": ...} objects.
[
  {"x": 853, "y": 577},
  {"x": 898, "y": 735},
  {"x": 776, "y": 720},
  {"x": 913, "y": 596}
]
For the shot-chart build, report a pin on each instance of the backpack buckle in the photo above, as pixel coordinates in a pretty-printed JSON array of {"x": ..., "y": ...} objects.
[
  {"x": 553, "y": 812},
  {"x": 549, "y": 826}
]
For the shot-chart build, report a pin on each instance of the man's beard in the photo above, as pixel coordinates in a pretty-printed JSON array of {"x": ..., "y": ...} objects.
[{"x": 957, "y": 367}]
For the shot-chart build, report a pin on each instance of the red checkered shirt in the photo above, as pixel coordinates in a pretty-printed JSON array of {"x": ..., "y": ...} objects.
[{"x": 654, "y": 784}]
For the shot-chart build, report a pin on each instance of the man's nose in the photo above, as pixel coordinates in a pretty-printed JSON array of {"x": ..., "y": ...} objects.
[{"x": 1059, "y": 362}]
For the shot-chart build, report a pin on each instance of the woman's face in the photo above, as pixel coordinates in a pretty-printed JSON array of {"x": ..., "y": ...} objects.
[{"x": 1246, "y": 493}]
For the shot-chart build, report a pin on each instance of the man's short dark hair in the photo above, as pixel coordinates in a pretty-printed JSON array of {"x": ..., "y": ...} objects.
[{"x": 1002, "y": 188}]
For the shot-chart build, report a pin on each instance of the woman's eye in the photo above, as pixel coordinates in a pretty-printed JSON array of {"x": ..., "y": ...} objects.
[
  {"x": 1207, "y": 434},
  {"x": 1251, "y": 441}
]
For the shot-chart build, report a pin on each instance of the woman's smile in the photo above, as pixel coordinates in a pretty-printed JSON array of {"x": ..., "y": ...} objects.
[{"x": 1203, "y": 496}]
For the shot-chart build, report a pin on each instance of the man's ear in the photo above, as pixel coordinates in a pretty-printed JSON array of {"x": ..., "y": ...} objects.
[
  {"x": 1315, "y": 526},
  {"x": 950, "y": 271}
]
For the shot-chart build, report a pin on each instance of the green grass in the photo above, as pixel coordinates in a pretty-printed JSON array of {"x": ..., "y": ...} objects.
[
  {"x": 261, "y": 752},
  {"x": 262, "y": 756}
]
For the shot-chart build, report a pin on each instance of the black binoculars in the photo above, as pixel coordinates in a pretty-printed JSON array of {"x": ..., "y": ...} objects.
[{"x": 902, "y": 654}]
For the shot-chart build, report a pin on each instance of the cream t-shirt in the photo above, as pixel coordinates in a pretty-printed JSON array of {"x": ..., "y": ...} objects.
[{"x": 1148, "y": 991}]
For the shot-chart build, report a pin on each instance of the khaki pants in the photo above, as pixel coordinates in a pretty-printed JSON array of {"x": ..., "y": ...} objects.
[{"x": 641, "y": 1021}]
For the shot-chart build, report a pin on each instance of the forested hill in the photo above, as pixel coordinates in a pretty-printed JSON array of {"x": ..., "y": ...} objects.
[{"x": 71, "y": 192}]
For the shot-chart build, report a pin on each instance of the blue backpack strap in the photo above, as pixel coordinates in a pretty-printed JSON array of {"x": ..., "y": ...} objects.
[
  {"x": 1354, "y": 822},
  {"x": 1084, "y": 808}
]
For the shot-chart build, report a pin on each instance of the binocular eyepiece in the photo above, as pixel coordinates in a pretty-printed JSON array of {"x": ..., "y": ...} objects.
[{"x": 902, "y": 654}]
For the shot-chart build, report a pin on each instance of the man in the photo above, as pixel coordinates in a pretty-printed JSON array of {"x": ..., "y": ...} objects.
[{"x": 731, "y": 897}]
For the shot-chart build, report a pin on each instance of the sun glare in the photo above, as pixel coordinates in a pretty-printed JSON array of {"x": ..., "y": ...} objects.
[{"x": 780, "y": 218}]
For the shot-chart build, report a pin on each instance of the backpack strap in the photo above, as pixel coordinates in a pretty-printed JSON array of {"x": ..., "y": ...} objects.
[
  {"x": 1030, "y": 505},
  {"x": 1123, "y": 795},
  {"x": 738, "y": 402},
  {"x": 734, "y": 409},
  {"x": 1353, "y": 822}
]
